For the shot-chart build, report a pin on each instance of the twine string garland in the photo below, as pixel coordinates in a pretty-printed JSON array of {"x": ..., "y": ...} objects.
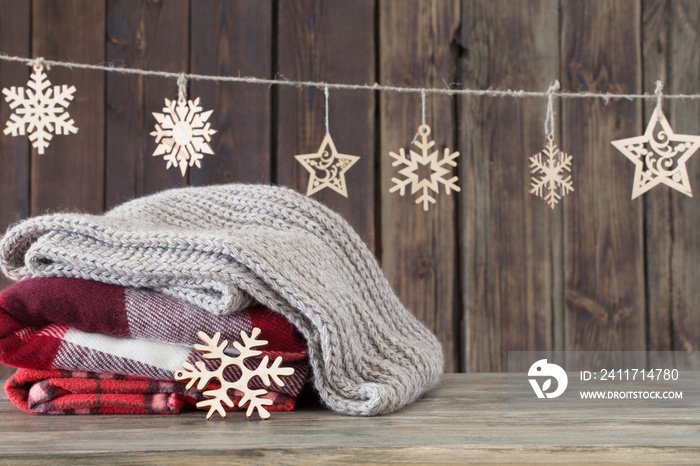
[
  {"x": 39, "y": 63},
  {"x": 113, "y": 68}
]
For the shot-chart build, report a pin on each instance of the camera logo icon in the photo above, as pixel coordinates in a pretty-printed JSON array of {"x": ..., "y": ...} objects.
[{"x": 547, "y": 371}]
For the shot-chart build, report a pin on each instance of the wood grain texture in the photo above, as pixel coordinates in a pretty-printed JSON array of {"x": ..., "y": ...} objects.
[
  {"x": 419, "y": 249},
  {"x": 70, "y": 174},
  {"x": 328, "y": 40},
  {"x": 684, "y": 63},
  {"x": 233, "y": 38},
  {"x": 605, "y": 299},
  {"x": 672, "y": 219},
  {"x": 15, "y": 37},
  {"x": 150, "y": 35},
  {"x": 512, "y": 268},
  {"x": 466, "y": 420},
  {"x": 657, "y": 202}
]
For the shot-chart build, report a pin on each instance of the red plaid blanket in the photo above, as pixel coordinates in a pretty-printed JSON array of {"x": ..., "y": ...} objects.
[
  {"x": 77, "y": 392},
  {"x": 80, "y": 325}
]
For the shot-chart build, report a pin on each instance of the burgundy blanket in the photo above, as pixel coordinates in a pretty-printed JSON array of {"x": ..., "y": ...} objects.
[{"x": 80, "y": 325}]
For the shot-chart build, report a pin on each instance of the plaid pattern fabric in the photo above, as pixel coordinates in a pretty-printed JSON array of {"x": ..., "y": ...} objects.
[
  {"x": 78, "y": 392},
  {"x": 80, "y": 325}
]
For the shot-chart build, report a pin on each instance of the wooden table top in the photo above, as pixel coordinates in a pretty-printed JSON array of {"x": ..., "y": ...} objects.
[{"x": 465, "y": 420}]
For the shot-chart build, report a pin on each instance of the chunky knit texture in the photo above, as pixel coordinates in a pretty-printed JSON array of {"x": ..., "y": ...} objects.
[{"x": 221, "y": 247}]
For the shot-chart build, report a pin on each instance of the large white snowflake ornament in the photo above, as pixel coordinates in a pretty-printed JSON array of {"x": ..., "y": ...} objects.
[
  {"x": 214, "y": 350},
  {"x": 427, "y": 160},
  {"x": 39, "y": 110},
  {"x": 551, "y": 173},
  {"x": 183, "y": 133}
]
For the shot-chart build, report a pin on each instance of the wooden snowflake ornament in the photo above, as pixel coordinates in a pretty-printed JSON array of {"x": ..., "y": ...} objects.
[
  {"x": 40, "y": 110},
  {"x": 214, "y": 350},
  {"x": 183, "y": 133},
  {"x": 551, "y": 173},
  {"x": 438, "y": 171}
]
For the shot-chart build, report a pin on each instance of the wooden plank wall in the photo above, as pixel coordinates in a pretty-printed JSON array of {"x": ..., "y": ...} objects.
[
  {"x": 489, "y": 269},
  {"x": 605, "y": 270},
  {"x": 511, "y": 246}
]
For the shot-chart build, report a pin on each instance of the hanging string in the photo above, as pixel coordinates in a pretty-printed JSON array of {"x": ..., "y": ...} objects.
[
  {"x": 422, "y": 118},
  {"x": 518, "y": 94},
  {"x": 549, "y": 116},
  {"x": 659, "y": 94},
  {"x": 182, "y": 88},
  {"x": 325, "y": 92},
  {"x": 38, "y": 64}
]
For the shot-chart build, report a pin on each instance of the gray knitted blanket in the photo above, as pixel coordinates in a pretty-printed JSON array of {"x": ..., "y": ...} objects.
[{"x": 221, "y": 247}]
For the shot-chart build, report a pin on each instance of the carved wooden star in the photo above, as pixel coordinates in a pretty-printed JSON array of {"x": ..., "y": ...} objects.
[
  {"x": 659, "y": 156},
  {"x": 327, "y": 168}
]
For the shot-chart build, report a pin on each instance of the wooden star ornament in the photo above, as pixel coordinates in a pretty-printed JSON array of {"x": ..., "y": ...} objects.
[
  {"x": 659, "y": 156},
  {"x": 327, "y": 168}
]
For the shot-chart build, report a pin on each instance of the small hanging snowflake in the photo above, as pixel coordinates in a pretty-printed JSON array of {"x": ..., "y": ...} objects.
[
  {"x": 214, "y": 350},
  {"x": 41, "y": 112},
  {"x": 551, "y": 178},
  {"x": 437, "y": 168},
  {"x": 183, "y": 133}
]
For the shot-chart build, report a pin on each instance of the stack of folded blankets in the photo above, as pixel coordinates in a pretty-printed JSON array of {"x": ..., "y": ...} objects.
[
  {"x": 107, "y": 307},
  {"x": 88, "y": 347}
]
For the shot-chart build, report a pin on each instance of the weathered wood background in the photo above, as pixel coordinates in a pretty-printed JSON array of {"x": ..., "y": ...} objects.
[{"x": 489, "y": 269}]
